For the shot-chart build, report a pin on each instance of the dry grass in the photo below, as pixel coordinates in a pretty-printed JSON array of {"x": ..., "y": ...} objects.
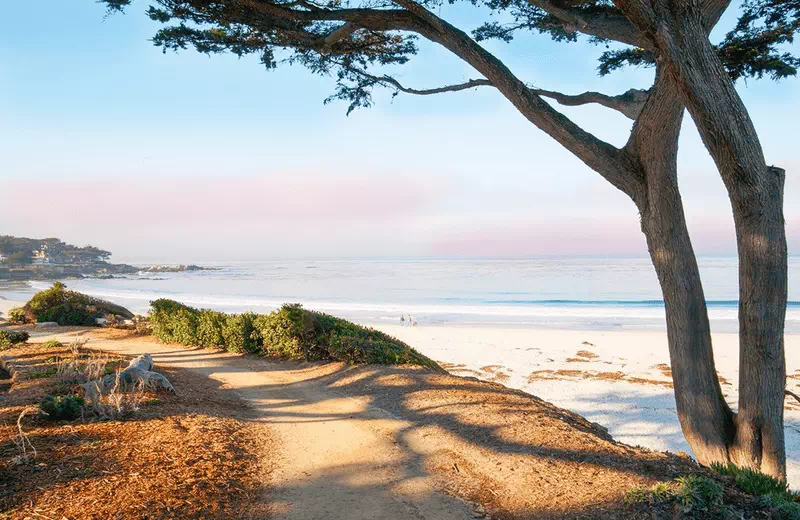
[
  {"x": 149, "y": 456},
  {"x": 25, "y": 449}
]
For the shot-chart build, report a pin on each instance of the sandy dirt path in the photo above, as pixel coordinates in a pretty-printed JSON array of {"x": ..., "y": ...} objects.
[{"x": 338, "y": 457}]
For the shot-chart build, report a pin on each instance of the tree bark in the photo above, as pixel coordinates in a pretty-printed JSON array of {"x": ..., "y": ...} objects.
[
  {"x": 756, "y": 194},
  {"x": 705, "y": 418},
  {"x": 761, "y": 238}
]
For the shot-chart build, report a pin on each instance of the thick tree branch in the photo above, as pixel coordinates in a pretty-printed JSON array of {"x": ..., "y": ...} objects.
[
  {"x": 374, "y": 19},
  {"x": 614, "y": 165},
  {"x": 630, "y": 103},
  {"x": 605, "y": 26}
]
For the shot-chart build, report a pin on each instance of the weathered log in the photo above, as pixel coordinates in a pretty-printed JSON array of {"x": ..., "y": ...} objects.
[{"x": 138, "y": 372}]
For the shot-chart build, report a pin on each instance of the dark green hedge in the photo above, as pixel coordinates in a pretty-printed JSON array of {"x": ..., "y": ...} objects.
[
  {"x": 290, "y": 332},
  {"x": 67, "y": 308}
]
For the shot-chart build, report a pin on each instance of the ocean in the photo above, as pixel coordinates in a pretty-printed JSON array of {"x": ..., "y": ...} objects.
[{"x": 558, "y": 293}]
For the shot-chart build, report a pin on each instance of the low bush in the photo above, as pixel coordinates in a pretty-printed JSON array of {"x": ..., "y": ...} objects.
[
  {"x": 52, "y": 344},
  {"x": 696, "y": 492},
  {"x": 12, "y": 337},
  {"x": 781, "y": 509},
  {"x": 290, "y": 332},
  {"x": 17, "y": 315},
  {"x": 774, "y": 493},
  {"x": 173, "y": 321},
  {"x": 239, "y": 335},
  {"x": 68, "y": 307},
  {"x": 67, "y": 314},
  {"x": 752, "y": 481},
  {"x": 62, "y": 407},
  {"x": 210, "y": 325}
]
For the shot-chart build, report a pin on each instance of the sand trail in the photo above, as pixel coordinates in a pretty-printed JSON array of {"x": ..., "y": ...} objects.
[{"x": 329, "y": 464}]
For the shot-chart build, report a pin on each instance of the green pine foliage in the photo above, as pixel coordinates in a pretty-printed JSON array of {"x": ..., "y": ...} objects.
[
  {"x": 290, "y": 332},
  {"x": 759, "y": 44}
]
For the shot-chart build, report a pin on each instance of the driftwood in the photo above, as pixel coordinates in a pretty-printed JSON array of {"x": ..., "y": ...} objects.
[{"x": 138, "y": 374}]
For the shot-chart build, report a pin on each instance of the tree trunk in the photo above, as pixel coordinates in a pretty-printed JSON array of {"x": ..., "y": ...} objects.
[
  {"x": 706, "y": 419},
  {"x": 756, "y": 194},
  {"x": 761, "y": 238}
]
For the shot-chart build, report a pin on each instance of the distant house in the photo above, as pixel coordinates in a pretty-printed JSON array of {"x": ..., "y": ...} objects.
[{"x": 40, "y": 255}]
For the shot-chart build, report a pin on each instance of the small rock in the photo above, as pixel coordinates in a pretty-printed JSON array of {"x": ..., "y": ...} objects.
[{"x": 100, "y": 321}]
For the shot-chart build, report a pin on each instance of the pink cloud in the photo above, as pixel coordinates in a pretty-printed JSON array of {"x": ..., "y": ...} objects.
[{"x": 297, "y": 196}]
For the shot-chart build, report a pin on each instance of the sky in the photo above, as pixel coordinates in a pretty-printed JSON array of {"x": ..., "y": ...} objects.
[{"x": 105, "y": 140}]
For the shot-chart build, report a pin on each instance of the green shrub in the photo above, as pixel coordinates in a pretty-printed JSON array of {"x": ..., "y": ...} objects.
[
  {"x": 62, "y": 407},
  {"x": 12, "y": 337},
  {"x": 173, "y": 321},
  {"x": 699, "y": 491},
  {"x": 660, "y": 492},
  {"x": 290, "y": 332},
  {"x": 69, "y": 307},
  {"x": 238, "y": 333},
  {"x": 691, "y": 490},
  {"x": 638, "y": 495},
  {"x": 752, "y": 481},
  {"x": 47, "y": 299},
  {"x": 52, "y": 344},
  {"x": 67, "y": 314},
  {"x": 209, "y": 328},
  {"x": 781, "y": 509},
  {"x": 17, "y": 315}
]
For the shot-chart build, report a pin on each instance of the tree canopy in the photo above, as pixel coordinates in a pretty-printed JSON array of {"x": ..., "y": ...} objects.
[{"x": 351, "y": 40}]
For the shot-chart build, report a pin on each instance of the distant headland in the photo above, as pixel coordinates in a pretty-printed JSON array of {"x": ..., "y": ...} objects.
[{"x": 51, "y": 258}]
